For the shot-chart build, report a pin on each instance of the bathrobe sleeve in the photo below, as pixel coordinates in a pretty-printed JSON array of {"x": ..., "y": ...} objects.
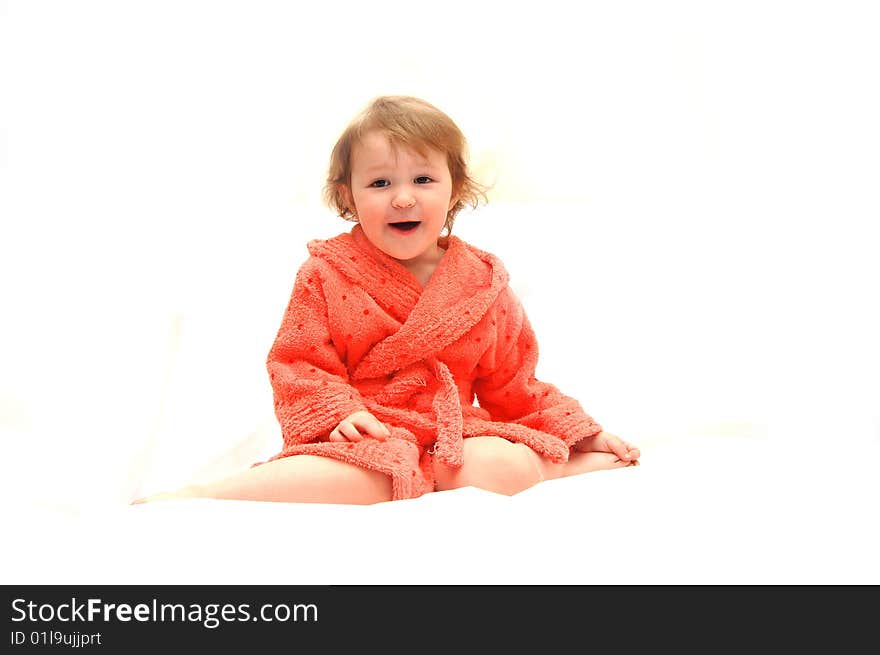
[
  {"x": 506, "y": 387},
  {"x": 309, "y": 380}
]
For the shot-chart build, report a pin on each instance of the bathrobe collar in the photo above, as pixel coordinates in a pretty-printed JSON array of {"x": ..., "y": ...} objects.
[{"x": 462, "y": 288}]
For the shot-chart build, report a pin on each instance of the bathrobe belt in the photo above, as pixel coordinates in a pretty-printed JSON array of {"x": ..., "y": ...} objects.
[{"x": 449, "y": 447}]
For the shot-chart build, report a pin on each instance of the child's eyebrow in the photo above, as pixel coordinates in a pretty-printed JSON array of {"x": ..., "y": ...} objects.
[{"x": 383, "y": 167}]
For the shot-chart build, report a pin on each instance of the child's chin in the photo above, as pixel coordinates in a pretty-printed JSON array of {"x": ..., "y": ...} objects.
[{"x": 398, "y": 252}]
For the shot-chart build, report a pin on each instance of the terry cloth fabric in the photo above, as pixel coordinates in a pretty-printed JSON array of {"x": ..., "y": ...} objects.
[{"x": 360, "y": 333}]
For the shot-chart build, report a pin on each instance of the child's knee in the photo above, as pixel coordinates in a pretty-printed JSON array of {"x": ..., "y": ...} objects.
[{"x": 494, "y": 464}]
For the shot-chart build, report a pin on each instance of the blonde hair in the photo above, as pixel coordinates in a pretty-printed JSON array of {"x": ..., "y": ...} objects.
[{"x": 413, "y": 123}]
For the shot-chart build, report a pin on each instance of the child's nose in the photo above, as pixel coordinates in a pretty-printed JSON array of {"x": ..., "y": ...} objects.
[{"x": 403, "y": 201}]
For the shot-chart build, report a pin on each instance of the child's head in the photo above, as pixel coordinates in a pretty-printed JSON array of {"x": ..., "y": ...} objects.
[{"x": 410, "y": 124}]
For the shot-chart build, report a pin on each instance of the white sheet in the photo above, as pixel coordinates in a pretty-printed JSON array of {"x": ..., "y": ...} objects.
[{"x": 716, "y": 510}]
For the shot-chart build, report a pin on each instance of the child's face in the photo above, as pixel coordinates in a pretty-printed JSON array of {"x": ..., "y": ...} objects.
[{"x": 391, "y": 185}]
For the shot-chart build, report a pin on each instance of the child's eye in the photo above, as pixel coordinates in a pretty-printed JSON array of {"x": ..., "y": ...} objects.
[
  {"x": 380, "y": 184},
  {"x": 423, "y": 177}
]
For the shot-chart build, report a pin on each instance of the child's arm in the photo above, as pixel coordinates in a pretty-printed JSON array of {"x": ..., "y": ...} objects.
[
  {"x": 310, "y": 384},
  {"x": 507, "y": 388}
]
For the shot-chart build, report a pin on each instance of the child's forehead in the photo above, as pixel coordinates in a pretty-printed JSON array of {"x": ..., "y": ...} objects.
[{"x": 376, "y": 150}]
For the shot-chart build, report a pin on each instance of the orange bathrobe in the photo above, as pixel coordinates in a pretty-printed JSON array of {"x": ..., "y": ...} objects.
[{"x": 360, "y": 333}]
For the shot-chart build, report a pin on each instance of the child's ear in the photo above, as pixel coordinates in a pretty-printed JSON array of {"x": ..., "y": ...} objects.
[
  {"x": 452, "y": 202},
  {"x": 345, "y": 194}
]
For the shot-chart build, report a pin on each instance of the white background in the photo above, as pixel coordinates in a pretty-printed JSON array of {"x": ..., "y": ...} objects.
[{"x": 685, "y": 195}]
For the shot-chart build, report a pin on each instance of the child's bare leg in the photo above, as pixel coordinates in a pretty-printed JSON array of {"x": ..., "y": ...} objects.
[
  {"x": 296, "y": 479},
  {"x": 490, "y": 463},
  {"x": 498, "y": 465}
]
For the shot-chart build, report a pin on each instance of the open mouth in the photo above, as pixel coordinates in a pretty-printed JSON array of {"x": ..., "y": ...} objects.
[{"x": 405, "y": 226}]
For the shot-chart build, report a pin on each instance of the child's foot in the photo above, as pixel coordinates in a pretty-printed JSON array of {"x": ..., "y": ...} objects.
[
  {"x": 186, "y": 492},
  {"x": 595, "y": 461},
  {"x": 605, "y": 442}
]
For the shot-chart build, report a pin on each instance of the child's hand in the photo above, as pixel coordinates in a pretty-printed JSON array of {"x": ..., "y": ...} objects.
[
  {"x": 605, "y": 442},
  {"x": 349, "y": 429}
]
